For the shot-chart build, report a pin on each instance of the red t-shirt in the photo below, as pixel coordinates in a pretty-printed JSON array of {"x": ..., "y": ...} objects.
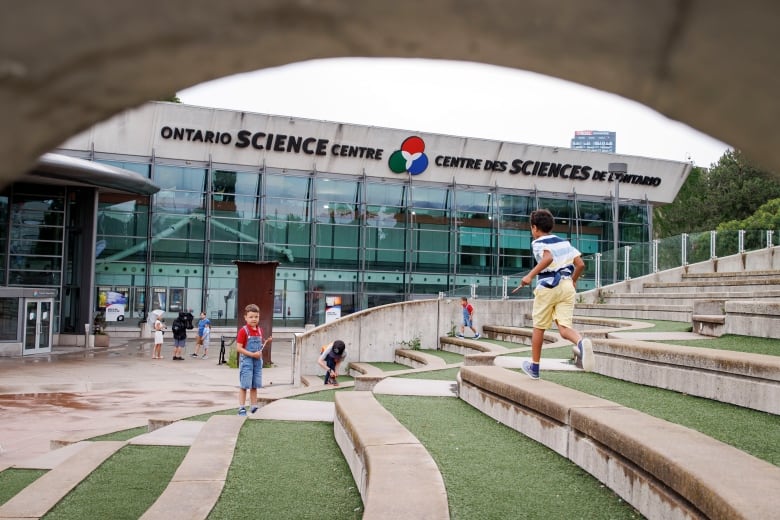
[{"x": 242, "y": 335}]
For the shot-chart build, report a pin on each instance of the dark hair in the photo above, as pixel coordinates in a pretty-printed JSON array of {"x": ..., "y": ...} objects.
[
  {"x": 543, "y": 219},
  {"x": 338, "y": 347}
]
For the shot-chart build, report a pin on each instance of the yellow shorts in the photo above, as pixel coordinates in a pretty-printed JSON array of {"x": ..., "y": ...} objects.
[{"x": 554, "y": 304}]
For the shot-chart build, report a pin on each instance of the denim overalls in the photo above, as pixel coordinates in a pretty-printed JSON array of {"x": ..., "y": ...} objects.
[{"x": 251, "y": 369}]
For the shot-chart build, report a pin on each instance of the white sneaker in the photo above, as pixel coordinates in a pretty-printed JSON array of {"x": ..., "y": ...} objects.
[{"x": 586, "y": 354}]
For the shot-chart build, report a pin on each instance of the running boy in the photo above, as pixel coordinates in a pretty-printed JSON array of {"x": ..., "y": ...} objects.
[
  {"x": 250, "y": 345},
  {"x": 468, "y": 318},
  {"x": 559, "y": 265}
]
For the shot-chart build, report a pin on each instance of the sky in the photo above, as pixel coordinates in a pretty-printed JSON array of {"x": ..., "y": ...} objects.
[{"x": 455, "y": 98}]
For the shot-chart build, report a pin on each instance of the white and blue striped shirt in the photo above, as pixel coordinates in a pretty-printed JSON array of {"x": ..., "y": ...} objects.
[{"x": 563, "y": 254}]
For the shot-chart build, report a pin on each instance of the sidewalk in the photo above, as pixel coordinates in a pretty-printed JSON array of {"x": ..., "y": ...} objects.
[{"x": 77, "y": 394}]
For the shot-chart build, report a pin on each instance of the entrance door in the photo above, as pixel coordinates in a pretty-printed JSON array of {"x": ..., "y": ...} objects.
[{"x": 37, "y": 326}]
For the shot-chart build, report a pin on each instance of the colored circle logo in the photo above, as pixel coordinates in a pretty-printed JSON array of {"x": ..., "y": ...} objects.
[{"x": 410, "y": 158}]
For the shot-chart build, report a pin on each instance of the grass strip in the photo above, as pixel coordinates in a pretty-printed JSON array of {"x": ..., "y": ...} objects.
[
  {"x": 448, "y": 357},
  {"x": 492, "y": 471},
  {"x": 288, "y": 470},
  {"x": 122, "y": 435},
  {"x": 445, "y": 374},
  {"x": 123, "y": 487},
  {"x": 386, "y": 366},
  {"x": 751, "y": 431},
  {"x": 747, "y": 344},
  {"x": 666, "y": 326},
  {"x": 13, "y": 480}
]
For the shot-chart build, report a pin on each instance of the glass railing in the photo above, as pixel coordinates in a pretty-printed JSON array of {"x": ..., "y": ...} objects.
[{"x": 637, "y": 260}]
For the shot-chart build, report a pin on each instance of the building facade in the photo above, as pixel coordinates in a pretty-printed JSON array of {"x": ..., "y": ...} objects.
[
  {"x": 594, "y": 141},
  {"x": 356, "y": 216}
]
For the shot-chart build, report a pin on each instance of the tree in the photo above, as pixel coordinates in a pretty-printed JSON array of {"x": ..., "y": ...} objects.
[
  {"x": 732, "y": 189},
  {"x": 766, "y": 217},
  {"x": 171, "y": 99},
  {"x": 675, "y": 218}
]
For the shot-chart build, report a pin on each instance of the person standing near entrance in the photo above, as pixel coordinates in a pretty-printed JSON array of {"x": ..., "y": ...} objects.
[
  {"x": 158, "y": 338},
  {"x": 559, "y": 265},
  {"x": 179, "y": 329},
  {"x": 204, "y": 335},
  {"x": 249, "y": 346}
]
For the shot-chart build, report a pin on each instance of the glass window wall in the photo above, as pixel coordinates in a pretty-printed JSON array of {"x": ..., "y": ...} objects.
[
  {"x": 287, "y": 219},
  {"x": 36, "y": 236}
]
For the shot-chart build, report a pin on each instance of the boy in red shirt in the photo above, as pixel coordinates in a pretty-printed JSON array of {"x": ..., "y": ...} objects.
[
  {"x": 250, "y": 345},
  {"x": 468, "y": 318}
]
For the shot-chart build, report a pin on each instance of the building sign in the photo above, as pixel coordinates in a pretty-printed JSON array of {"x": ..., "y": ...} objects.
[
  {"x": 410, "y": 158},
  {"x": 253, "y": 142}
]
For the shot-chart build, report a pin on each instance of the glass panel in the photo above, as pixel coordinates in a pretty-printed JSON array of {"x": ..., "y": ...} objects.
[
  {"x": 142, "y": 169},
  {"x": 519, "y": 205},
  {"x": 385, "y": 194},
  {"x": 182, "y": 251},
  {"x": 4, "y": 214},
  {"x": 180, "y": 178},
  {"x": 286, "y": 209},
  {"x": 45, "y": 325},
  {"x": 36, "y": 241},
  {"x": 337, "y": 191},
  {"x": 430, "y": 197},
  {"x": 181, "y": 189},
  {"x": 30, "y": 326},
  {"x": 9, "y": 319},
  {"x": 562, "y": 209},
  {"x": 235, "y": 194},
  {"x": 473, "y": 202},
  {"x": 285, "y": 186},
  {"x": 224, "y": 253},
  {"x": 239, "y": 230}
]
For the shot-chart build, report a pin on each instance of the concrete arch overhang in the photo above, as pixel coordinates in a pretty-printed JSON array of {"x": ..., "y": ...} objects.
[{"x": 67, "y": 65}]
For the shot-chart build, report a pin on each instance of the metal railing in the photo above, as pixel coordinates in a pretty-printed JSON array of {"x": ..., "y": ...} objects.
[{"x": 637, "y": 260}]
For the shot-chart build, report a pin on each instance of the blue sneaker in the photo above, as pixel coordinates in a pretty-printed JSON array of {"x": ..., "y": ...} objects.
[
  {"x": 531, "y": 369},
  {"x": 586, "y": 354},
  {"x": 477, "y": 336},
  {"x": 253, "y": 409},
  {"x": 242, "y": 412},
  {"x": 459, "y": 336}
]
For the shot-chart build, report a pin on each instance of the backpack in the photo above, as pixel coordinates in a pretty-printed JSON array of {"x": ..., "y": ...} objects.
[{"x": 178, "y": 326}]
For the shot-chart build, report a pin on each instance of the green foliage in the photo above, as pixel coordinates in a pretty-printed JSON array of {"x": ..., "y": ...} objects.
[
  {"x": 171, "y": 99},
  {"x": 99, "y": 323},
  {"x": 766, "y": 217},
  {"x": 732, "y": 189},
  {"x": 413, "y": 344}
]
